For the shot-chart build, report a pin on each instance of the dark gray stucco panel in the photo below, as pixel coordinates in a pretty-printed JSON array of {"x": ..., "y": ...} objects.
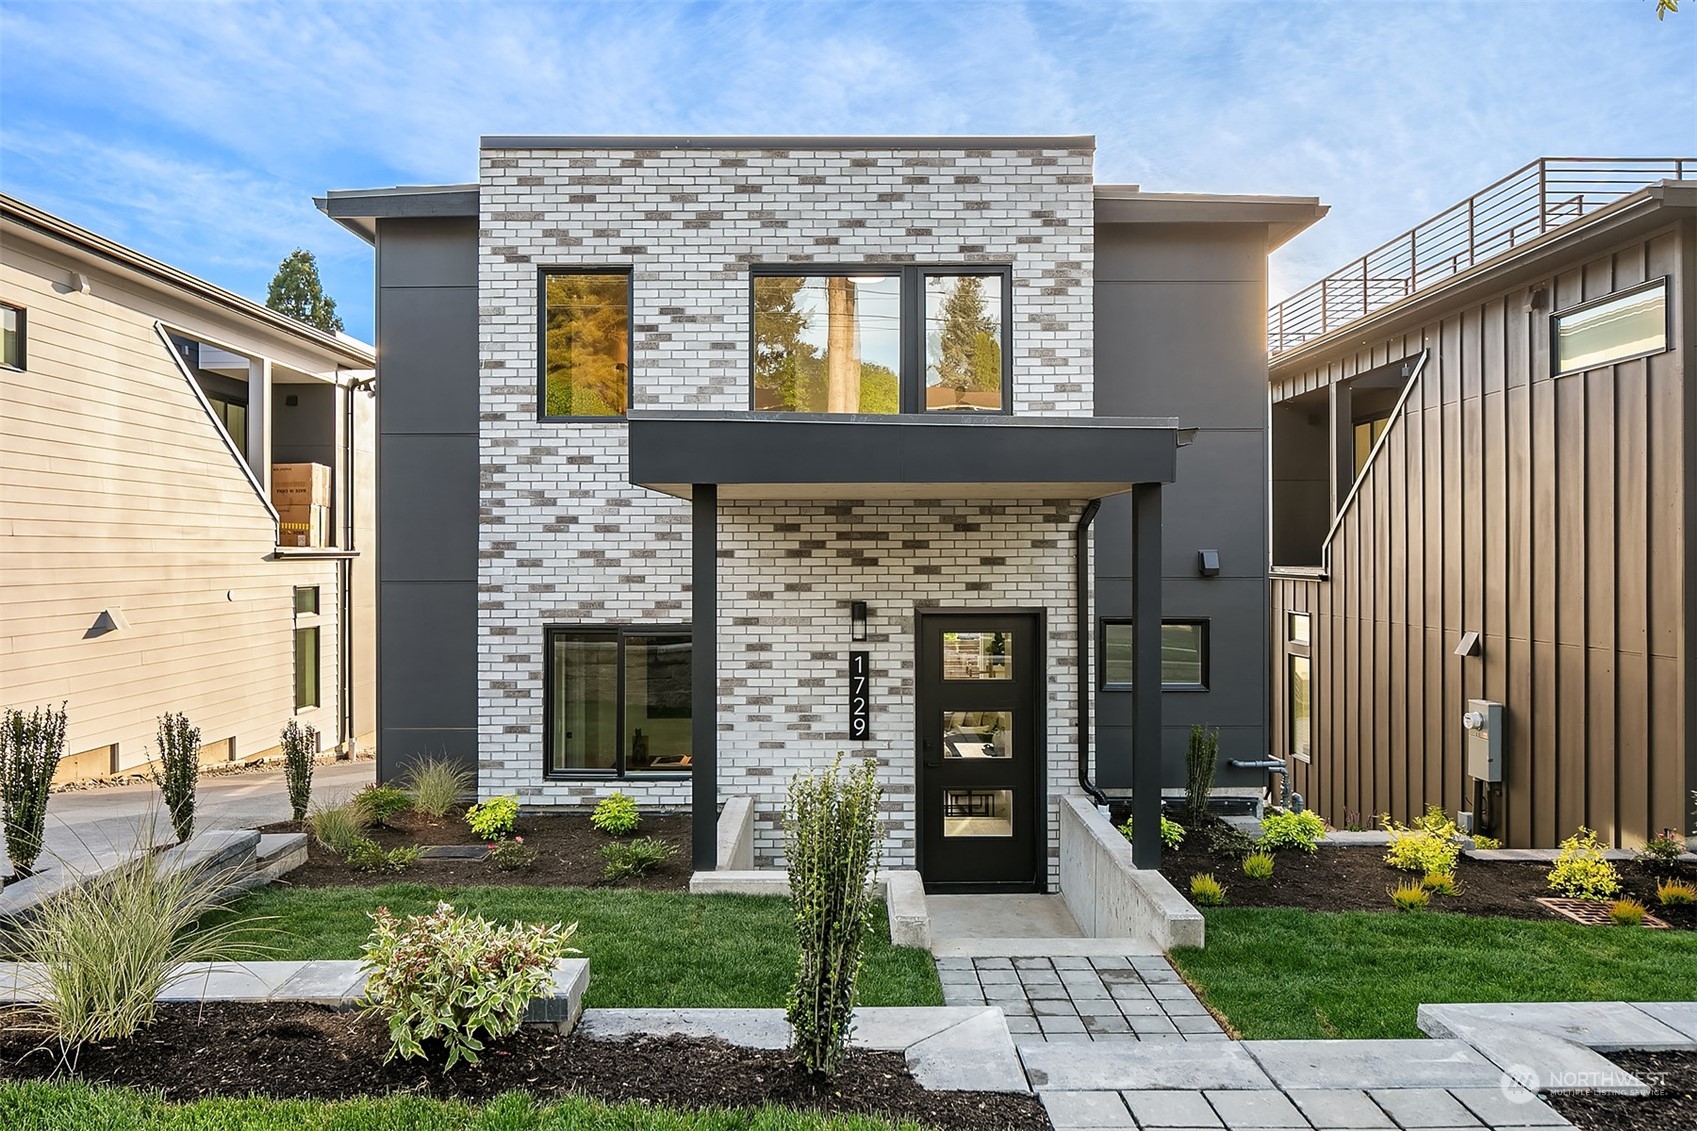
[{"x": 437, "y": 357}]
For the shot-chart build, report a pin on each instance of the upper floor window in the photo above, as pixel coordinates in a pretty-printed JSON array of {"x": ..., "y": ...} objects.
[
  {"x": 881, "y": 339},
  {"x": 12, "y": 336},
  {"x": 585, "y": 355},
  {"x": 1609, "y": 330}
]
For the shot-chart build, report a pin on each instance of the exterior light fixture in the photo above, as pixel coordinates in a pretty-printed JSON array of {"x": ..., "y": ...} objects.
[
  {"x": 1208, "y": 563},
  {"x": 857, "y": 620}
]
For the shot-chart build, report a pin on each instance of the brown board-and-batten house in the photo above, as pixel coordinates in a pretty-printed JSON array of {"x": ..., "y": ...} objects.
[{"x": 1483, "y": 491}]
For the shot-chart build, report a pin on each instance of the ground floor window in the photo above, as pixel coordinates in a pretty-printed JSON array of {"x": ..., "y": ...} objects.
[
  {"x": 1184, "y": 655},
  {"x": 617, "y": 700},
  {"x": 1298, "y": 687},
  {"x": 306, "y": 668}
]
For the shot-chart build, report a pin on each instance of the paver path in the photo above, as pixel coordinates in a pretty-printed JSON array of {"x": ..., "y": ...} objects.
[
  {"x": 1070, "y": 1000},
  {"x": 1425, "y": 1109}
]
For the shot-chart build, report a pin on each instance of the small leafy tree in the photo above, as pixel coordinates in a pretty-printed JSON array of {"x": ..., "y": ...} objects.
[
  {"x": 300, "y": 752},
  {"x": 1200, "y": 762},
  {"x": 177, "y": 771},
  {"x": 831, "y": 842},
  {"x": 296, "y": 291},
  {"x": 30, "y": 748}
]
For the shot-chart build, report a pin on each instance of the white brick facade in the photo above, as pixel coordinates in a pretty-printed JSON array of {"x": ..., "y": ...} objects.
[{"x": 566, "y": 539}]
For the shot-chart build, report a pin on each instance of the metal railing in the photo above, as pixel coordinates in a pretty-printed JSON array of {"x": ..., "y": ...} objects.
[{"x": 1530, "y": 201}]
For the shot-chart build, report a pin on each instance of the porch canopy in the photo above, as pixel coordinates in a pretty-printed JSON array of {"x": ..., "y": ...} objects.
[{"x": 708, "y": 457}]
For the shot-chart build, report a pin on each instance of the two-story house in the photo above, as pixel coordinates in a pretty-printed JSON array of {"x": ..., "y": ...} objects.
[{"x": 701, "y": 460}]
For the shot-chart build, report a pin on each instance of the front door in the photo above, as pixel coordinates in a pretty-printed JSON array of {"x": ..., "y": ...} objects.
[{"x": 981, "y": 801}]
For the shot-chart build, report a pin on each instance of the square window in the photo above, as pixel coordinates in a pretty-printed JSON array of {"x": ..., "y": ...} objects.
[
  {"x": 1184, "y": 655},
  {"x": 618, "y": 701},
  {"x": 306, "y": 600},
  {"x": 13, "y": 331},
  {"x": 1296, "y": 628},
  {"x": 1610, "y": 330},
  {"x": 306, "y": 668},
  {"x": 586, "y": 344}
]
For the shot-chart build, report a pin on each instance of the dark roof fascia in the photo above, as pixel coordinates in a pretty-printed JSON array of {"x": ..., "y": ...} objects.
[
  {"x": 1641, "y": 211},
  {"x": 779, "y": 141},
  {"x": 358, "y": 210},
  {"x": 1283, "y": 216}
]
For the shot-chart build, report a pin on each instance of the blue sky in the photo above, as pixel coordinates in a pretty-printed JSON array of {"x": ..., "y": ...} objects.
[{"x": 198, "y": 133}]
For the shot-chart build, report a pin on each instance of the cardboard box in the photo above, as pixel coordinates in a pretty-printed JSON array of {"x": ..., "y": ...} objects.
[
  {"x": 300, "y": 484},
  {"x": 303, "y": 525}
]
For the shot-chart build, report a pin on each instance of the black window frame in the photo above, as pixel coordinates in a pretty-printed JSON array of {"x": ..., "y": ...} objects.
[
  {"x": 1662, "y": 282},
  {"x": 542, "y": 274},
  {"x": 1298, "y": 648},
  {"x": 317, "y": 653},
  {"x": 619, "y": 632},
  {"x": 911, "y": 377},
  {"x": 22, "y": 313},
  {"x": 1205, "y": 624}
]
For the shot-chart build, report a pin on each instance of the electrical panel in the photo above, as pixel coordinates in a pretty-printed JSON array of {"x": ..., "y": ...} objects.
[{"x": 1483, "y": 728}]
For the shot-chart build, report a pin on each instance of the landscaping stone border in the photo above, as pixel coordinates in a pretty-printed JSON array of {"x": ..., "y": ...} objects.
[
  {"x": 902, "y": 890},
  {"x": 1111, "y": 898}
]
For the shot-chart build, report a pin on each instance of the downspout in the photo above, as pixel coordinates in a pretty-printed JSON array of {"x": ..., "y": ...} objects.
[
  {"x": 1081, "y": 552},
  {"x": 345, "y": 567}
]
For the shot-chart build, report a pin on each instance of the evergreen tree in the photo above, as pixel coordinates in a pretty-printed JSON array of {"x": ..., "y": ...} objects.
[
  {"x": 296, "y": 291},
  {"x": 969, "y": 354}
]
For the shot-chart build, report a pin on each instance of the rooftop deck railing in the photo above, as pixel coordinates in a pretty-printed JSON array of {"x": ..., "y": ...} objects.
[{"x": 1530, "y": 201}]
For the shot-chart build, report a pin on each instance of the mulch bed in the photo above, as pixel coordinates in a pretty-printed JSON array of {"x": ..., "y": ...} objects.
[
  {"x": 295, "y": 1051},
  {"x": 568, "y": 854},
  {"x": 1672, "y": 1106},
  {"x": 1355, "y": 878}
]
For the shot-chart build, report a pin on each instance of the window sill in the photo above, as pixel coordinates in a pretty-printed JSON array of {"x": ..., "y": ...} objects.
[
  {"x": 1166, "y": 688},
  {"x": 311, "y": 553},
  {"x": 591, "y": 775}
]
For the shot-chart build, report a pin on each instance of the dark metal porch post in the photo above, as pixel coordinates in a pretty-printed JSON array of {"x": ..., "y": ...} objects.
[
  {"x": 704, "y": 676},
  {"x": 1146, "y": 674}
]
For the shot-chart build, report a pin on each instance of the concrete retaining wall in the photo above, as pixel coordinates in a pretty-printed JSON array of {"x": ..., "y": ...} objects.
[
  {"x": 902, "y": 890},
  {"x": 1107, "y": 895},
  {"x": 736, "y": 834}
]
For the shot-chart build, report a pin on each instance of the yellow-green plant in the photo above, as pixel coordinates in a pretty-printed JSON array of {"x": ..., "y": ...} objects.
[
  {"x": 1206, "y": 890},
  {"x": 435, "y": 786},
  {"x": 1488, "y": 843},
  {"x": 1281, "y": 828},
  {"x": 338, "y": 828},
  {"x": 494, "y": 819},
  {"x": 30, "y": 748},
  {"x": 455, "y": 978},
  {"x": 1409, "y": 896},
  {"x": 1627, "y": 913},
  {"x": 1676, "y": 893},
  {"x": 630, "y": 858},
  {"x": 616, "y": 814},
  {"x": 366, "y": 856},
  {"x": 1172, "y": 833},
  {"x": 1440, "y": 883},
  {"x": 1582, "y": 871},
  {"x": 831, "y": 842},
  {"x": 300, "y": 753},
  {"x": 1427, "y": 846},
  {"x": 178, "y": 770},
  {"x": 1258, "y": 865}
]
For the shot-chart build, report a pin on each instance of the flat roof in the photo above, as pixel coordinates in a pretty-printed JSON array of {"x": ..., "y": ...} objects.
[
  {"x": 1285, "y": 216},
  {"x": 783, "y": 141},
  {"x": 358, "y": 210}
]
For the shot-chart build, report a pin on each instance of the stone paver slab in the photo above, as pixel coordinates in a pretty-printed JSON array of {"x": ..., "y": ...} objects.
[
  {"x": 976, "y": 1054},
  {"x": 324, "y": 982},
  {"x": 1680, "y": 1016},
  {"x": 1373, "y": 1064},
  {"x": 1606, "y": 1026},
  {"x": 1164, "y": 1108},
  {"x": 1256, "y": 1109},
  {"x": 1131, "y": 1067},
  {"x": 1078, "y": 1111},
  {"x": 227, "y": 981},
  {"x": 1557, "y": 1064},
  {"x": 750, "y": 1028},
  {"x": 1339, "y": 1109},
  {"x": 1508, "y": 1107},
  {"x": 1418, "y": 1108}
]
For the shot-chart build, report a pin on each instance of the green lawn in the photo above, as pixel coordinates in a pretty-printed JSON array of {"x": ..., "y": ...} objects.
[
  {"x": 1279, "y": 973},
  {"x": 644, "y": 948},
  {"x": 62, "y": 1107}
]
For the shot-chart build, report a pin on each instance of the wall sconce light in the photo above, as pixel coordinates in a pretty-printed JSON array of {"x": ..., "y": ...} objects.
[
  {"x": 857, "y": 620},
  {"x": 1208, "y": 563}
]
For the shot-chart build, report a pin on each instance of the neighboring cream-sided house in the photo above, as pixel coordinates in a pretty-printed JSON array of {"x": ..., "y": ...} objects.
[{"x": 142, "y": 560}]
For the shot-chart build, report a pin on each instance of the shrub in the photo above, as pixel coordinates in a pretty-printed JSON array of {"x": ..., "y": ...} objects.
[
  {"x": 1409, "y": 896},
  {"x": 1427, "y": 846},
  {"x": 832, "y": 841},
  {"x": 1440, "y": 883},
  {"x": 383, "y": 801},
  {"x": 1200, "y": 762},
  {"x": 1661, "y": 853},
  {"x": 1206, "y": 890},
  {"x": 630, "y": 858},
  {"x": 1258, "y": 865},
  {"x": 300, "y": 752},
  {"x": 513, "y": 855},
  {"x": 1283, "y": 829},
  {"x": 1676, "y": 893},
  {"x": 616, "y": 814},
  {"x": 494, "y": 819},
  {"x": 1488, "y": 843},
  {"x": 436, "y": 786},
  {"x": 366, "y": 856},
  {"x": 178, "y": 770},
  {"x": 1582, "y": 871},
  {"x": 1227, "y": 839},
  {"x": 455, "y": 978},
  {"x": 1172, "y": 833},
  {"x": 30, "y": 748},
  {"x": 107, "y": 948},
  {"x": 1627, "y": 913},
  {"x": 338, "y": 828}
]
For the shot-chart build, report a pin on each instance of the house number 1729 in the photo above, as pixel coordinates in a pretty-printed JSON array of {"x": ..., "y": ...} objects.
[{"x": 860, "y": 697}]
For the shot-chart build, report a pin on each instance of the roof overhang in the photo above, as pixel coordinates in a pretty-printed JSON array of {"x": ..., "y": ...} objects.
[
  {"x": 1283, "y": 216},
  {"x": 806, "y": 457},
  {"x": 358, "y": 210}
]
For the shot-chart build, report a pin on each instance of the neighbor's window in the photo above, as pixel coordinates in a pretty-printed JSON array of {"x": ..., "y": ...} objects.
[
  {"x": 12, "y": 336},
  {"x": 306, "y": 600},
  {"x": 586, "y": 343},
  {"x": 1613, "y": 329},
  {"x": 1184, "y": 655},
  {"x": 1299, "y": 687},
  {"x": 232, "y": 414},
  {"x": 306, "y": 668},
  {"x": 1367, "y": 433},
  {"x": 618, "y": 700},
  {"x": 880, "y": 339}
]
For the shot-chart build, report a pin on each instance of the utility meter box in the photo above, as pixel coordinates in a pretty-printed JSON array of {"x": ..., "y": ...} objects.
[{"x": 1483, "y": 727}]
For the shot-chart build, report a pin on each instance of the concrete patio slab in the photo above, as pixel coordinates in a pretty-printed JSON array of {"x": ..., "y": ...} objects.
[
  {"x": 1373, "y": 1064},
  {"x": 213, "y": 851},
  {"x": 339, "y": 984},
  {"x": 1169, "y": 1108},
  {"x": 1508, "y": 1107},
  {"x": 1559, "y": 1065},
  {"x": 1338, "y": 1109},
  {"x": 1015, "y": 947},
  {"x": 1417, "y": 1108},
  {"x": 1680, "y": 1016},
  {"x": 1183, "y": 1065},
  {"x": 750, "y": 1028},
  {"x": 227, "y": 981},
  {"x": 1001, "y": 916},
  {"x": 1256, "y": 1109},
  {"x": 975, "y": 1055},
  {"x": 1606, "y": 1026},
  {"x": 1087, "y": 1111}
]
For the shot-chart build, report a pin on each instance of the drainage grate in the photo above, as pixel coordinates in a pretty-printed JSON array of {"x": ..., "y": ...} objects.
[{"x": 1591, "y": 913}]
